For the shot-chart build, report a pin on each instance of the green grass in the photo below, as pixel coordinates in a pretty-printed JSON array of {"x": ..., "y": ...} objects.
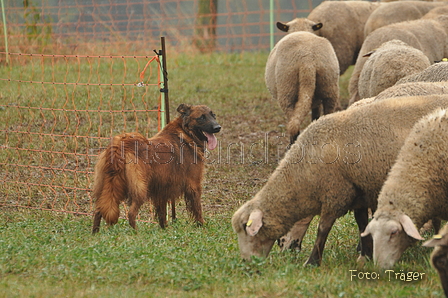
[{"x": 50, "y": 254}]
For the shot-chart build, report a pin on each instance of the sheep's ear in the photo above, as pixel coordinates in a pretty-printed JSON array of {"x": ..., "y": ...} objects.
[
  {"x": 317, "y": 26},
  {"x": 282, "y": 26},
  {"x": 366, "y": 231},
  {"x": 437, "y": 240},
  {"x": 254, "y": 223},
  {"x": 409, "y": 227},
  {"x": 184, "y": 109},
  {"x": 369, "y": 53}
]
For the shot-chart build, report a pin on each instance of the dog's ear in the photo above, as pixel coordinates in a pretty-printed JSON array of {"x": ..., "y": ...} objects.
[{"x": 184, "y": 109}]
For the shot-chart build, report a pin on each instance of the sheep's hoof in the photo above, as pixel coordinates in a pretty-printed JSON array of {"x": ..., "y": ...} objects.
[
  {"x": 361, "y": 261},
  {"x": 312, "y": 263}
]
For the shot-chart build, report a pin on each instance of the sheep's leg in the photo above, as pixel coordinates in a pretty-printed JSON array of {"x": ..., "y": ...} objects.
[
  {"x": 330, "y": 106},
  {"x": 362, "y": 219},
  {"x": 293, "y": 240},
  {"x": 325, "y": 223},
  {"x": 315, "y": 113},
  {"x": 436, "y": 224}
]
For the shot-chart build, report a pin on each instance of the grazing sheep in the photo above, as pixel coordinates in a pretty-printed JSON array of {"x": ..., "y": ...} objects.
[
  {"x": 428, "y": 35},
  {"x": 395, "y": 12},
  {"x": 342, "y": 23},
  {"x": 392, "y": 61},
  {"x": 414, "y": 192},
  {"x": 302, "y": 73},
  {"x": 439, "y": 256},
  {"x": 337, "y": 164},
  {"x": 437, "y": 72}
]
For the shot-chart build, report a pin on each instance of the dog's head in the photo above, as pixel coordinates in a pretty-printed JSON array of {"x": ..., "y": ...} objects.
[{"x": 200, "y": 122}]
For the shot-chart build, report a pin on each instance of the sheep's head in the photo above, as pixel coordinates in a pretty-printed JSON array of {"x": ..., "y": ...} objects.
[
  {"x": 392, "y": 233},
  {"x": 439, "y": 257},
  {"x": 299, "y": 24},
  {"x": 247, "y": 226}
]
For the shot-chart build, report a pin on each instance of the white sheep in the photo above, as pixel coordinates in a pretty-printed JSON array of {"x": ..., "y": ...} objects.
[
  {"x": 406, "y": 89},
  {"x": 414, "y": 192},
  {"x": 395, "y": 12},
  {"x": 337, "y": 164},
  {"x": 428, "y": 35},
  {"x": 439, "y": 256},
  {"x": 302, "y": 73},
  {"x": 414, "y": 89},
  {"x": 392, "y": 61},
  {"x": 341, "y": 22},
  {"x": 435, "y": 12},
  {"x": 437, "y": 72}
]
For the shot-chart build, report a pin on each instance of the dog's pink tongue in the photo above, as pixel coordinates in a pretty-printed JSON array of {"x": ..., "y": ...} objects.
[{"x": 212, "y": 142}]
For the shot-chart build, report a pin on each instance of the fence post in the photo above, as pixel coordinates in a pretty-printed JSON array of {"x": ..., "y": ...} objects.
[
  {"x": 5, "y": 32},
  {"x": 271, "y": 23},
  {"x": 164, "y": 113},
  {"x": 165, "y": 81}
]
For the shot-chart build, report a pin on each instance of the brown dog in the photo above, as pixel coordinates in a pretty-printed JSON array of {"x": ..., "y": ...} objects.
[{"x": 162, "y": 168}]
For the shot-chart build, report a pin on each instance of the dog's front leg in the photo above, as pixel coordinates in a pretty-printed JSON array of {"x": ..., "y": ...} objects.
[{"x": 193, "y": 204}]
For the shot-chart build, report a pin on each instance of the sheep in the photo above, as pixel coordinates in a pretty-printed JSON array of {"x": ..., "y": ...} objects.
[
  {"x": 435, "y": 12},
  {"x": 428, "y": 35},
  {"x": 437, "y": 72},
  {"x": 439, "y": 256},
  {"x": 406, "y": 89},
  {"x": 395, "y": 12},
  {"x": 414, "y": 89},
  {"x": 342, "y": 23},
  {"x": 392, "y": 61},
  {"x": 337, "y": 164},
  {"x": 414, "y": 192},
  {"x": 293, "y": 240},
  {"x": 302, "y": 73}
]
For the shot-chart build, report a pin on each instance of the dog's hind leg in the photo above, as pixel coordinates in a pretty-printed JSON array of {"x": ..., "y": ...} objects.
[
  {"x": 173, "y": 209},
  {"x": 193, "y": 204},
  {"x": 96, "y": 222},
  {"x": 133, "y": 212},
  {"x": 160, "y": 206},
  {"x": 137, "y": 187}
]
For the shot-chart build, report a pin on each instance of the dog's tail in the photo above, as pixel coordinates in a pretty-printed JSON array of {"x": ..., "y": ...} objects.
[{"x": 110, "y": 186}]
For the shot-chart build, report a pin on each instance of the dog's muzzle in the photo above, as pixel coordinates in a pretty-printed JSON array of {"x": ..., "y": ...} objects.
[{"x": 216, "y": 128}]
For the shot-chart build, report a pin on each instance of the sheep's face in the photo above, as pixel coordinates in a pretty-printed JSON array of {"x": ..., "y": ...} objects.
[
  {"x": 391, "y": 236},
  {"x": 439, "y": 259},
  {"x": 254, "y": 245},
  {"x": 439, "y": 256},
  {"x": 251, "y": 242}
]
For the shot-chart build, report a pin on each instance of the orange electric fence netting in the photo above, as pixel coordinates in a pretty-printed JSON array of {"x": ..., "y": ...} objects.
[
  {"x": 118, "y": 26},
  {"x": 58, "y": 112}
]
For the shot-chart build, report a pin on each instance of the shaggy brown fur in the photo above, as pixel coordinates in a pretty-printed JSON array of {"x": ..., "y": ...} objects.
[{"x": 162, "y": 168}]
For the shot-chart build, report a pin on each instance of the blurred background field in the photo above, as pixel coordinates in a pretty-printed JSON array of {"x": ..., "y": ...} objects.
[{"x": 59, "y": 111}]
